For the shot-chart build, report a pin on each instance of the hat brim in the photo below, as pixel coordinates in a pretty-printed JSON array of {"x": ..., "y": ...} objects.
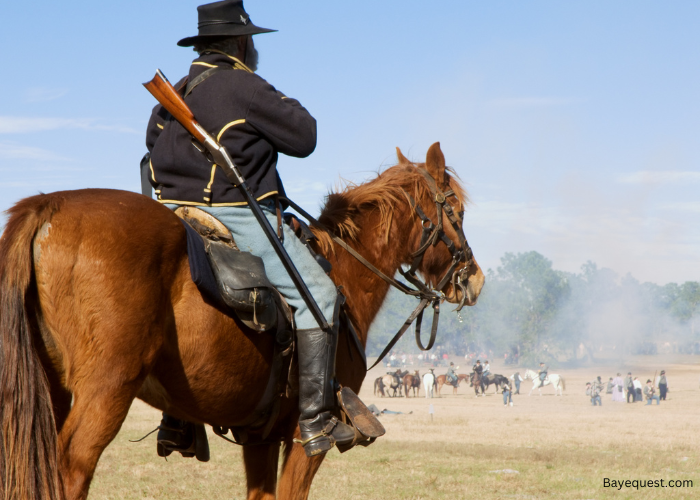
[{"x": 230, "y": 30}]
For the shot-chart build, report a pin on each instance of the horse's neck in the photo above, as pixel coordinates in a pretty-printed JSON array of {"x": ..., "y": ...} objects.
[{"x": 364, "y": 290}]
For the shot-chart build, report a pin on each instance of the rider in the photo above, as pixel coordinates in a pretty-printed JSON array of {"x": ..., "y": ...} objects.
[
  {"x": 451, "y": 376},
  {"x": 477, "y": 368},
  {"x": 255, "y": 122},
  {"x": 542, "y": 373},
  {"x": 487, "y": 368}
]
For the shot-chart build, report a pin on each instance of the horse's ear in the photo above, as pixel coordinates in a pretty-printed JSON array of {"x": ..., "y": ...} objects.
[
  {"x": 435, "y": 163},
  {"x": 402, "y": 159}
]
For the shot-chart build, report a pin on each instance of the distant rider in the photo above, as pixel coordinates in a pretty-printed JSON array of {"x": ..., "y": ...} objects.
[
  {"x": 487, "y": 368},
  {"x": 451, "y": 377},
  {"x": 543, "y": 373}
]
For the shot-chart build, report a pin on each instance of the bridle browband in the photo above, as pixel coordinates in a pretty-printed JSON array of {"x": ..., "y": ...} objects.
[{"x": 432, "y": 234}]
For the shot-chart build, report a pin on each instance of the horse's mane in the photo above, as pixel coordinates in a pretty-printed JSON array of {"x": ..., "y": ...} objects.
[{"x": 383, "y": 193}]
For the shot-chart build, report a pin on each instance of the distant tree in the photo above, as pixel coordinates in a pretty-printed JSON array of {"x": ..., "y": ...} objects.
[
  {"x": 686, "y": 305},
  {"x": 534, "y": 293}
]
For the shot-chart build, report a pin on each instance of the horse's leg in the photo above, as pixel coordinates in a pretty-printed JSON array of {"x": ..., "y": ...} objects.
[
  {"x": 261, "y": 470},
  {"x": 92, "y": 423},
  {"x": 298, "y": 472}
]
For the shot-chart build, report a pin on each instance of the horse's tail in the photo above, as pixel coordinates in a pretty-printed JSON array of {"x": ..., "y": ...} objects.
[
  {"x": 28, "y": 446},
  {"x": 563, "y": 384}
]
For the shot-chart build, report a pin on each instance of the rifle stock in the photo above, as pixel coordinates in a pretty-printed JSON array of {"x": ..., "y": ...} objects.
[{"x": 171, "y": 100}]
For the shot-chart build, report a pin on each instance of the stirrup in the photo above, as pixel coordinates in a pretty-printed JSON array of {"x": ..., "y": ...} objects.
[
  {"x": 367, "y": 427},
  {"x": 325, "y": 432}
]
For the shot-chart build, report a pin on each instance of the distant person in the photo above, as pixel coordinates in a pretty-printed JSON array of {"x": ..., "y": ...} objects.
[
  {"x": 487, "y": 368},
  {"x": 542, "y": 373},
  {"x": 637, "y": 389},
  {"x": 629, "y": 386},
  {"x": 516, "y": 378},
  {"x": 663, "y": 385},
  {"x": 649, "y": 394},
  {"x": 596, "y": 389},
  {"x": 507, "y": 394},
  {"x": 477, "y": 368},
  {"x": 618, "y": 394},
  {"x": 451, "y": 377},
  {"x": 609, "y": 387}
]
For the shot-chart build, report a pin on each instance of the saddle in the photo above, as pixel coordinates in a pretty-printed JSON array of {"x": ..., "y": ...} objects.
[{"x": 241, "y": 284}]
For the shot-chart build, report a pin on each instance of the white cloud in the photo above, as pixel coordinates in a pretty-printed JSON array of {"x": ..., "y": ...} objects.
[
  {"x": 10, "y": 151},
  {"x": 682, "y": 206},
  {"x": 43, "y": 94},
  {"x": 23, "y": 125},
  {"x": 652, "y": 245},
  {"x": 527, "y": 102},
  {"x": 659, "y": 177}
]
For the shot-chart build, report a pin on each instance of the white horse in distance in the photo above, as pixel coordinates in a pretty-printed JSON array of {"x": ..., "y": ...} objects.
[
  {"x": 429, "y": 384},
  {"x": 552, "y": 378}
]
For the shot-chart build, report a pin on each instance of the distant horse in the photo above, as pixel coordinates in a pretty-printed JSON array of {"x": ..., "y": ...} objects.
[
  {"x": 476, "y": 383},
  {"x": 495, "y": 379},
  {"x": 394, "y": 382},
  {"x": 379, "y": 387},
  {"x": 429, "y": 384},
  {"x": 411, "y": 381},
  {"x": 441, "y": 380},
  {"x": 98, "y": 307},
  {"x": 552, "y": 378}
]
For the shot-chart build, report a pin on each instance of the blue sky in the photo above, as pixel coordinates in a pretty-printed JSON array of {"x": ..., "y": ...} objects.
[{"x": 574, "y": 125}]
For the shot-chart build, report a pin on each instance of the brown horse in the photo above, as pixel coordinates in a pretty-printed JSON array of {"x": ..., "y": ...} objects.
[
  {"x": 379, "y": 387},
  {"x": 440, "y": 380},
  {"x": 411, "y": 381},
  {"x": 475, "y": 381},
  {"x": 97, "y": 307}
]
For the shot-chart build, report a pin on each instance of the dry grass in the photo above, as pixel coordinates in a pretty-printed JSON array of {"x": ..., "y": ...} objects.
[{"x": 561, "y": 447}]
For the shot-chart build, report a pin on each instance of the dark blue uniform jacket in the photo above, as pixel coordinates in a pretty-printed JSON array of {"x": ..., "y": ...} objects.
[{"x": 244, "y": 113}]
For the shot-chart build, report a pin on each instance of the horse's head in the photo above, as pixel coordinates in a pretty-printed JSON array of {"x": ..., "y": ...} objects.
[{"x": 441, "y": 253}]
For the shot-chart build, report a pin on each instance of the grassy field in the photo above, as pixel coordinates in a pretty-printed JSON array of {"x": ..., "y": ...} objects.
[{"x": 561, "y": 447}]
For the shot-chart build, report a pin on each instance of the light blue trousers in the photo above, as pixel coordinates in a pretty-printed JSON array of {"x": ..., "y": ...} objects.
[{"x": 250, "y": 237}]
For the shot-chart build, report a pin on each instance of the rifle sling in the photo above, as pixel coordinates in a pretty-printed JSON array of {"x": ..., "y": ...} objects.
[{"x": 203, "y": 76}]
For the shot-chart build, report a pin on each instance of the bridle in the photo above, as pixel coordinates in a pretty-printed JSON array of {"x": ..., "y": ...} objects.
[{"x": 432, "y": 234}]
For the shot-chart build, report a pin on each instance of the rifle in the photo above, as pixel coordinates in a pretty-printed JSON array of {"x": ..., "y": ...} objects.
[{"x": 173, "y": 102}]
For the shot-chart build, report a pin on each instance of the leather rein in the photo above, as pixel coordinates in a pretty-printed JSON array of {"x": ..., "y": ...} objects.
[{"x": 432, "y": 234}]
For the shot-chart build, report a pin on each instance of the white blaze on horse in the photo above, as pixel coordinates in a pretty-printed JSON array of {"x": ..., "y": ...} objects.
[
  {"x": 552, "y": 378},
  {"x": 429, "y": 384}
]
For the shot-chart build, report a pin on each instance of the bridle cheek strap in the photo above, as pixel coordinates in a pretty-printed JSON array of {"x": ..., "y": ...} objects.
[{"x": 431, "y": 235}]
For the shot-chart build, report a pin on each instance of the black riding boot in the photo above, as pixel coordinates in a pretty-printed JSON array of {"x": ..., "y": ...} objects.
[
  {"x": 174, "y": 434},
  {"x": 320, "y": 429}
]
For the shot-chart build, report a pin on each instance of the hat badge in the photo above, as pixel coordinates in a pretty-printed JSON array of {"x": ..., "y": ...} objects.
[{"x": 244, "y": 20}]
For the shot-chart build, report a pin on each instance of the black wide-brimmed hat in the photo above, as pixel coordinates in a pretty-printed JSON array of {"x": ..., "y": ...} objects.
[{"x": 222, "y": 19}]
